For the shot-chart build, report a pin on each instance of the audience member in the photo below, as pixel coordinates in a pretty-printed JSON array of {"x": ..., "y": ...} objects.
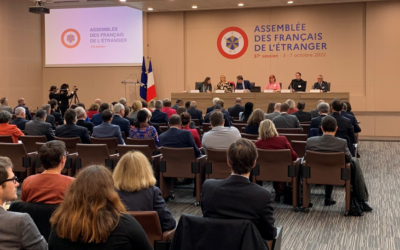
[
  {"x": 275, "y": 113},
  {"x": 136, "y": 186},
  {"x": 186, "y": 119},
  {"x": 155, "y": 125},
  {"x": 70, "y": 129},
  {"x": 271, "y": 108},
  {"x": 236, "y": 197},
  {"x": 122, "y": 101},
  {"x": 323, "y": 109},
  {"x": 227, "y": 121},
  {"x": 98, "y": 223},
  {"x": 179, "y": 103},
  {"x": 187, "y": 105},
  {"x": 127, "y": 111},
  {"x": 315, "y": 112},
  {"x": 348, "y": 109},
  {"x": 145, "y": 105},
  {"x": 270, "y": 139},
  {"x": 17, "y": 230},
  {"x": 353, "y": 120},
  {"x": 98, "y": 101},
  {"x": 136, "y": 106},
  {"x": 248, "y": 109},
  {"x": 175, "y": 137},
  {"x": 292, "y": 106},
  {"x": 167, "y": 109},
  {"x": 181, "y": 110},
  {"x": 107, "y": 129},
  {"x": 22, "y": 103},
  {"x": 254, "y": 122},
  {"x": 82, "y": 105},
  {"x": 234, "y": 111},
  {"x": 222, "y": 103},
  {"x": 158, "y": 116},
  {"x": 284, "y": 120},
  {"x": 219, "y": 137},
  {"x": 38, "y": 126},
  {"x": 345, "y": 129},
  {"x": 49, "y": 118},
  {"x": 328, "y": 143},
  {"x": 152, "y": 105},
  {"x": 20, "y": 120},
  {"x": 302, "y": 115},
  {"x": 210, "y": 109},
  {"x": 81, "y": 115},
  {"x": 143, "y": 130},
  {"x": 4, "y": 105},
  {"x": 6, "y": 128},
  {"x": 50, "y": 186},
  {"x": 73, "y": 106},
  {"x": 195, "y": 113},
  {"x": 96, "y": 118},
  {"x": 124, "y": 124},
  {"x": 57, "y": 116},
  {"x": 94, "y": 109}
]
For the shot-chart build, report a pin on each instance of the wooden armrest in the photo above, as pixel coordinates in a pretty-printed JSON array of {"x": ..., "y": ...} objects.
[
  {"x": 168, "y": 235},
  {"x": 201, "y": 158},
  {"x": 73, "y": 155},
  {"x": 114, "y": 156},
  {"x": 157, "y": 157},
  {"x": 32, "y": 154}
]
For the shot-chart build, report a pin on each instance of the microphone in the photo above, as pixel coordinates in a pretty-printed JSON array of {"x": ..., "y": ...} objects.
[{"x": 126, "y": 78}]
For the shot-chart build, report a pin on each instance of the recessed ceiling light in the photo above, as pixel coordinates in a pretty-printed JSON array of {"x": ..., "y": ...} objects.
[
  {"x": 240, "y": 4},
  {"x": 149, "y": 8},
  {"x": 122, "y": 0},
  {"x": 194, "y": 7},
  {"x": 290, "y": 2}
]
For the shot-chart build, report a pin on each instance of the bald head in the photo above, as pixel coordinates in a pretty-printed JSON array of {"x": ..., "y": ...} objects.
[
  {"x": 277, "y": 106},
  {"x": 238, "y": 101},
  {"x": 193, "y": 104}
]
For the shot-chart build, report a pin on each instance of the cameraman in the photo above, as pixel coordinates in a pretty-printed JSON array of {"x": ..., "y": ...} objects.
[{"x": 64, "y": 97}]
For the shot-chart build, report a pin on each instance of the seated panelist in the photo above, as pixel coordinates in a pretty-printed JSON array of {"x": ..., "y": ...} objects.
[
  {"x": 241, "y": 84},
  {"x": 224, "y": 85},
  {"x": 321, "y": 84},
  {"x": 298, "y": 84},
  {"x": 206, "y": 87},
  {"x": 273, "y": 84}
]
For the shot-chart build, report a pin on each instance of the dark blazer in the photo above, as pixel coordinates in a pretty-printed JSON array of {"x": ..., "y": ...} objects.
[
  {"x": 27, "y": 113},
  {"x": 328, "y": 143},
  {"x": 228, "y": 122},
  {"x": 73, "y": 130},
  {"x": 302, "y": 116},
  {"x": 20, "y": 122},
  {"x": 54, "y": 96},
  {"x": 39, "y": 127},
  {"x": 314, "y": 113},
  {"x": 159, "y": 117},
  {"x": 88, "y": 125},
  {"x": 253, "y": 130},
  {"x": 148, "y": 199},
  {"x": 58, "y": 117},
  {"x": 196, "y": 114},
  {"x": 108, "y": 130},
  {"x": 245, "y": 83},
  {"x": 124, "y": 124},
  {"x": 210, "y": 109},
  {"x": 345, "y": 129},
  {"x": 96, "y": 119},
  {"x": 237, "y": 198},
  {"x": 209, "y": 88},
  {"x": 323, "y": 86},
  {"x": 298, "y": 85},
  {"x": 286, "y": 121},
  {"x": 50, "y": 119},
  {"x": 353, "y": 120},
  {"x": 177, "y": 138},
  {"x": 235, "y": 110},
  {"x": 316, "y": 122}
]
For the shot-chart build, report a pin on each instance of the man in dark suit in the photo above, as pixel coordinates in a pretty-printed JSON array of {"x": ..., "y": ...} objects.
[
  {"x": 315, "y": 112},
  {"x": 22, "y": 103},
  {"x": 38, "y": 126},
  {"x": 210, "y": 109},
  {"x": 321, "y": 84},
  {"x": 179, "y": 103},
  {"x": 328, "y": 143},
  {"x": 124, "y": 124},
  {"x": 158, "y": 116},
  {"x": 174, "y": 137},
  {"x": 20, "y": 120},
  {"x": 222, "y": 104},
  {"x": 235, "y": 110},
  {"x": 353, "y": 120},
  {"x": 284, "y": 120},
  {"x": 218, "y": 107},
  {"x": 195, "y": 113},
  {"x": 96, "y": 118},
  {"x": 301, "y": 115},
  {"x": 106, "y": 129},
  {"x": 345, "y": 129},
  {"x": 323, "y": 109},
  {"x": 50, "y": 119},
  {"x": 241, "y": 84},
  {"x": 298, "y": 84},
  {"x": 70, "y": 129},
  {"x": 57, "y": 116},
  {"x": 237, "y": 197},
  {"x": 81, "y": 115}
]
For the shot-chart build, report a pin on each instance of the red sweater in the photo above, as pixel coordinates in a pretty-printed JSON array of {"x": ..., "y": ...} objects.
[
  {"x": 279, "y": 142},
  {"x": 195, "y": 135},
  {"x": 169, "y": 111}
]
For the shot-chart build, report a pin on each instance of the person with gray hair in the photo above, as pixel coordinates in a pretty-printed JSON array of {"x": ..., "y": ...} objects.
[
  {"x": 321, "y": 84},
  {"x": 8, "y": 129},
  {"x": 49, "y": 119},
  {"x": 22, "y": 103},
  {"x": 4, "y": 105},
  {"x": 323, "y": 109},
  {"x": 118, "y": 119},
  {"x": 210, "y": 109},
  {"x": 159, "y": 116},
  {"x": 122, "y": 101},
  {"x": 81, "y": 116},
  {"x": 20, "y": 121},
  {"x": 277, "y": 111},
  {"x": 195, "y": 113},
  {"x": 38, "y": 126},
  {"x": 315, "y": 112}
]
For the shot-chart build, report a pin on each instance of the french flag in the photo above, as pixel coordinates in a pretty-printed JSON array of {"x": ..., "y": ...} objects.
[{"x": 151, "y": 88}]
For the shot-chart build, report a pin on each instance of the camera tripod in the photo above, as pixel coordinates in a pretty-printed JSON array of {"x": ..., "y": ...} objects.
[{"x": 74, "y": 99}]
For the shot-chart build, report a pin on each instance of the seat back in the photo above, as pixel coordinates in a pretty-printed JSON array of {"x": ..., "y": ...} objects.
[
  {"x": 197, "y": 85},
  {"x": 280, "y": 84},
  {"x": 306, "y": 128},
  {"x": 329, "y": 86},
  {"x": 218, "y": 169},
  {"x": 145, "y": 149},
  {"x": 16, "y": 152},
  {"x": 196, "y": 122},
  {"x": 150, "y": 223},
  {"x": 164, "y": 128},
  {"x": 29, "y": 142},
  {"x": 325, "y": 168},
  {"x": 273, "y": 165},
  {"x": 296, "y": 137},
  {"x": 178, "y": 162},
  {"x": 70, "y": 143},
  {"x": 6, "y": 139},
  {"x": 249, "y": 136},
  {"x": 112, "y": 143},
  {"x": 289, "y": 130},
  {"x": 92, "y": 154},
  {"x": 206, "y": 127},
  {"x": 243, "y": 123},
  {"x": 239, "y": 126},
  {"x": 162, "y": 124},
  {"x": 299, "y": 147},
  {"x": 149, "y": 142}
]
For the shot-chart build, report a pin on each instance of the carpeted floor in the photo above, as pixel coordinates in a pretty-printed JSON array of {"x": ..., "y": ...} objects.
[{"x": 326, "y": 227}]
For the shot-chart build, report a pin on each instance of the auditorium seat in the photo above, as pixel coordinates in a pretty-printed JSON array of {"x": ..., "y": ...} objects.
[
  {"x": 296, "y": 137},
  {"x": 306, "y": 128},
  {"x": 162, "y": 124},
  {"x": 249, "y": 136},
  {"x": 325, "y": 169},
  {"x": 181, "y": 163},
  {"x": 299, "y": 147},
  {"x": 206, "y": 127},
  {"x": 216, "y": 166},
  {"x": 239, "y": 126},
  {"x": 164, "y": 128},
  {"x": 112, "y": 143},
  {"x": 70, "y": 143},
  {"x": 23, "y": 162},
  {"x": 6, "y": 139},
  {"x": 196, "y": 122},
  {"x": 94, "y": 154},
  {"x": 290, "y": 130},
  {"x": 277, "y": 165},
  {"x": 149, "y": 142},
  {"x": 241, "y": 122},
  {"x": 29, "y": 142},
  {"x": 151, "y": 225}
]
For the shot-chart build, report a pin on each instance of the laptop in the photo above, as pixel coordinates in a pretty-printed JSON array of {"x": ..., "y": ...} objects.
[{"x": 256, "y": 89}]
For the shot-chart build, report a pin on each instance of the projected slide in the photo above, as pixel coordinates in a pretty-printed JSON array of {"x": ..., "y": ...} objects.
[{"x": 111, "y": 36}]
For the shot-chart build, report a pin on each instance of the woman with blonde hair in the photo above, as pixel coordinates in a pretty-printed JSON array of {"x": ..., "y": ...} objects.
[
  {"x": 93, "y": 217},
  {"x": 270, "y": 139},
  {"x": 136, "y": 106},
  {"x": 94, "y": 109},
  {"x": 254, "y": 121},
  {"x": 224, "y": 85},
  {"x": 292, "y": 106},
  {"x": 135, "y": 184},
  {"x": 152, "y": 105}
]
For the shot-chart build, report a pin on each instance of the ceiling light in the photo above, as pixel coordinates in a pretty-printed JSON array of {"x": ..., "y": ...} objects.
[
  {"x": 240, "y": 4},
  {"x": 149, "y": 8},
  {"x": 290, "y": 2},
  {"x": 122, "y": 0},
  {"x": 194, "y": 7}
]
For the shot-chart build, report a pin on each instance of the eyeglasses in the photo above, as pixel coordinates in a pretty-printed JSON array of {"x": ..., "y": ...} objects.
[{"x": 14, "y": 180}]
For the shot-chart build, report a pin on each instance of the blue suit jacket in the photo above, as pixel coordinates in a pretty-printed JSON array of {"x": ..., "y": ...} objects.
[
  {"x": 123, "y": 124},
  {"x": 353, "y": 120},
  {"x": 177, "y": 138},
  {"x": 246, "y": 84},
  {"x": 73, "y": 130},
  {"x": 96, "y": 119},
  {"x": 159, "y": 117},
  {"x": 108, "y": 130}
]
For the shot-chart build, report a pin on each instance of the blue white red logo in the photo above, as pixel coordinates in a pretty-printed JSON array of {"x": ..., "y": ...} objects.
[
  {"x": 70, "y": 38},
  {"x": 232, "y": 42}
]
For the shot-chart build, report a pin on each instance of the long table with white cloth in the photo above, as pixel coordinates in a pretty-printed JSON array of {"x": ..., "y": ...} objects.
[{"x": 260, "y": 100}]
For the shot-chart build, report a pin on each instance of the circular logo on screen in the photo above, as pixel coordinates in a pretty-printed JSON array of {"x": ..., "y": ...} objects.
[
  {"x": 70, "y": 38},
  {"x": 232, "y": 42}
]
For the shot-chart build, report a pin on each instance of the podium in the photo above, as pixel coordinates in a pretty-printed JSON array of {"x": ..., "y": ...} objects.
[{"x": 131, "y": 83}]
